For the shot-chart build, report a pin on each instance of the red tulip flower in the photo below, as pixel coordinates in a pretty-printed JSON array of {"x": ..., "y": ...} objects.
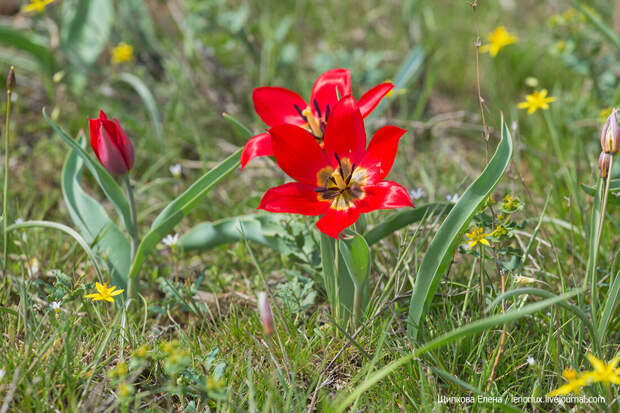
[
  {"x": 112, "y": 147},
  {"x": 277, "y": 105},
  {"x": 340, "y": 180}
]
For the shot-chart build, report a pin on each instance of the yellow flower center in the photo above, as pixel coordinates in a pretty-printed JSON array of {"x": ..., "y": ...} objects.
[{"x": 342, "y": 186}]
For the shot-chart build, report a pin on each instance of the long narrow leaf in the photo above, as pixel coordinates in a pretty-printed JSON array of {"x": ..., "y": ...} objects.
[
  {"x": 546, "y": 294},
  {"x": 181, "y": 206},
  {"x": 255, "y": 228},
  {"x": 404, "y": 218},
  {"x": 67, "y": 230},
  {"x": 440, "y": 251},
  {"x": 613, "y": 299},
  {"x": 28, "y": 43},
  {"x": 147, "y": 98},
  {"x": 92, "y": 220}
]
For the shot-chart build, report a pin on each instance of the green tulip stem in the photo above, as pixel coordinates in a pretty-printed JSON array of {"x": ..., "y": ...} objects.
[
  {"x": 131, "y": 286},
  {"x": 5, "y": 223},
  {"x": 357, "y": 304}
]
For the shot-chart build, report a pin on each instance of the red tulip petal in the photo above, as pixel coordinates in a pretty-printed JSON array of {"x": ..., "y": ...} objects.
[
  {"x": 335, "y": 220},
  {"x": 324, "y": 89},
  {"x": 384, "y": 195},
  {"x": 108, "y": 153},
  {"x": 297, "y": 153},
  {"x": 369, "y": 100},
  {"x": 93, "y": 125},
  {"x": 102, "y": 114},
  {"x": 259, "y": 145},
  {"x": 124, "y": 144},
  {"x": 294, "y": 198},
  {"x": 344, "y": 134},
  {"x": 381, "y": 152},
  {"x": 276, "y": 105}
]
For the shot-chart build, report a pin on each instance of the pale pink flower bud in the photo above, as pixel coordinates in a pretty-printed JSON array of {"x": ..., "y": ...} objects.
[
  {"x": 604, "y": 163},
  {"x": 266, "y": 317},
  {"x": 610, "y": 136}
]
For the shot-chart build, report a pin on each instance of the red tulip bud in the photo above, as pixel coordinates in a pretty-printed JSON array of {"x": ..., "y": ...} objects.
[
  {"x": 610, "y": 136},
  {"x": 266, "y": 317},
  {"x": 604, "y": 163},
  {"x": 112, "y": 147}
]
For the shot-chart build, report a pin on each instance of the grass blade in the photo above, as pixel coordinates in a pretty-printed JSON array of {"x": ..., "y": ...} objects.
[{"x": 440, "y": 251}]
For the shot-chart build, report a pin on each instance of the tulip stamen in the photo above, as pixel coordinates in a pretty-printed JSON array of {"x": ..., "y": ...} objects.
[
  {"x": 317, "y": 107},
  {"x": 301, "y": 113}
]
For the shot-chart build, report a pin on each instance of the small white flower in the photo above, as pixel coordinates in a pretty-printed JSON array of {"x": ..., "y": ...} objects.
[
  {"x": 55, "y": 305},
  {"x": 171, "y": 240},
  {"x": 453, "y": 198},
  {"x": 176, "y": 170},
  {"x": 531, "y": 361},
  {"x": 1, "y": 374},
  {"x": 19, "y": 220},
  {"x": 417, "y": 193}
]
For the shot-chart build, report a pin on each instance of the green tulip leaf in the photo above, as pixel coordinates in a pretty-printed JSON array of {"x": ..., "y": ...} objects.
[
  {"x": 614, "y": 191},
  {"x": 92, "y": 221},
  {"x": 356, "y": 255},
  {"x": 180, "y": 207},
  {"x": 441, "y": 249},
  {"x": 147, "y": 98},
  {"x": 85, "y": 29},
  {"x": 107, "y": 183},
  {"x": 261, "y": 229},
  {"x": 404, "y": 218},
  {"x": 29, "y": 43}
]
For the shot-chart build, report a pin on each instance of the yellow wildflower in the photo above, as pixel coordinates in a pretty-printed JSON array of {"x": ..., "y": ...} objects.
[
  {"x": 104, "y": 293},
  {"x": 536, "y": 100},
  {"x": 498, "y": 39},
  {"x": 122, "y": 53},
  {"x": 604, "y": 372},
  {"x": 499, "y": 232},
  {"x": 573, "y": 386},
  {"x": 510, "y": 203},
  {"x": 36, "y": 5},
  {"x": 125, "y": 390},
  {"x": 476, "y": 236},
  {"x": 569, "y": 374}
]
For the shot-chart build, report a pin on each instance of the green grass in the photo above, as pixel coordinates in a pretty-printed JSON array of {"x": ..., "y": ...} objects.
[{"x": 200, "y": 59}]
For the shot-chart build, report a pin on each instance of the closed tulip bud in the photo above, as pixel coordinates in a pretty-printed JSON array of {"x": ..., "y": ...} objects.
[
  {"x": 266, "y": 317},
  {"x": 112, "y": 147},
  {"x": 604, "y": 163},
  {"x": 610, "y": 136},
  {"x": 10, "y": 80}
]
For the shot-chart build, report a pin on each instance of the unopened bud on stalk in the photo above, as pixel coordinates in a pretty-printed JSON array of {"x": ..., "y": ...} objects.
[
  {"x": 266, "y": 317},
  {"x": 604, "y": 164},
  {"x": 610, "y": 136},
  {"x": 10, "y": 80}
]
